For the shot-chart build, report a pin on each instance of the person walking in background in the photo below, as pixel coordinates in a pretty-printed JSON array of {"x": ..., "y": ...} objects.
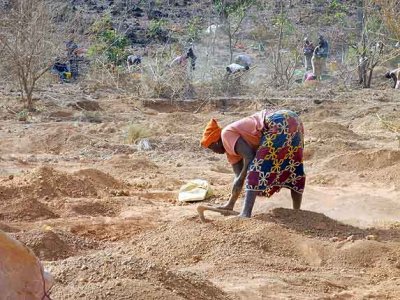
[{"x": 308, "y": 50}]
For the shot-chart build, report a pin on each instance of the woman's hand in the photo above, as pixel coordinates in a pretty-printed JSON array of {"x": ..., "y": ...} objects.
[
  {"x": 236, "y": 189},
  {"x": 240, "y": 169}
]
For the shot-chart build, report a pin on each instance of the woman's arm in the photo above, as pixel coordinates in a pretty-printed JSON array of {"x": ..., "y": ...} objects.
[{"x": 240, "y": 169}]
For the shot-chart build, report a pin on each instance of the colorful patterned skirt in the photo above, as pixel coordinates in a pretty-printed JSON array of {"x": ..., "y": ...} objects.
[{"x": 279, "y": 159}]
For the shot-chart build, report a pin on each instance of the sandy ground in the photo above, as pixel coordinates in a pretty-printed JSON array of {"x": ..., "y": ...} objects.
[{"x": 103, "y": 215}]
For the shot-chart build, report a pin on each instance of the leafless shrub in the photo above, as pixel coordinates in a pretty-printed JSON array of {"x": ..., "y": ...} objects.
[
  {"x": 220, "y": 84},
  {"x": 26, "y": 47},
  {"x": 284, "y": 64},
  {"x": 158, "y": 80}
]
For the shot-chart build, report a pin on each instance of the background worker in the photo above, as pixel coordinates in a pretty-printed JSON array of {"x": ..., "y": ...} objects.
[{"x": 308, "y": 50}]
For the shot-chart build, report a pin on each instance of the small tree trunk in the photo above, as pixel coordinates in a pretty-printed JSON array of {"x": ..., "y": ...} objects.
[
  {"x": 29, "y": 99},
  {"x": 278, "y": 49},
  {"x": 230, "y": 42},
  {"x": 370, "y": 77}
]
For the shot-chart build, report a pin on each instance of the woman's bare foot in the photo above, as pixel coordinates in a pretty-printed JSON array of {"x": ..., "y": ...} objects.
[{"x": 227, "y": 206}]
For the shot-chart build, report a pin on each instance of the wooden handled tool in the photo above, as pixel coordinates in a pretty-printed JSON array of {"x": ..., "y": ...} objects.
[{"x": 202, "y": 208}]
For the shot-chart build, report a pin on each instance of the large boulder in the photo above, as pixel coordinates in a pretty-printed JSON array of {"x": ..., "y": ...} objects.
[{"x": 21, "y": 273}]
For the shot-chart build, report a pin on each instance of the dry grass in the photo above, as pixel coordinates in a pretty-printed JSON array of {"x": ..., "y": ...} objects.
[
  {"x": 137, "y": 132},
  {"x": 164, "y": 82}
]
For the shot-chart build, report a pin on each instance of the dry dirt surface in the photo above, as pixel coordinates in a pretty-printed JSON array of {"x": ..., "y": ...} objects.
[{"x": 102, "y": 214}]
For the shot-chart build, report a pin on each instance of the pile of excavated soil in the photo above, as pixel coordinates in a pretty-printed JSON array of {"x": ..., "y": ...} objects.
[
  {"x": 96, "y": 209},
  {"x": 365, "y": 160},
  {"x": 282, "y": 239},
  {"x": 7, "y": 228},
  {"x": 329, "y": 130},
  {"x": 98, "y": 178},
  {"x": 28, "y": 198},
  {"x": 59, "y": 140},
  {"x": 189, "y": 241},
  {"x": 54, "y": 244},
  {"x": 317, "y": 225},
  {"x": 112, "y": 274},
  {"x": 85, "y": 183},
  {"x": 113, "y": 230},
  {"x": 25, "y": 209}
]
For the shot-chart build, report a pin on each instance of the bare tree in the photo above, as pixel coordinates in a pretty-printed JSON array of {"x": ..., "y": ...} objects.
[
  {"x": 25, "y": 44},
  {"x": 370, "y": 48},
  {"x": 232, "y": 14},
  {"x": 284, "y": 56}
]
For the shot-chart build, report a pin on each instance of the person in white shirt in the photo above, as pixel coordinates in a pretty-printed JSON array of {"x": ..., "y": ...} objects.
[
  {"x": 235, "y": 68},
  {"x": 243, "y": 60}
]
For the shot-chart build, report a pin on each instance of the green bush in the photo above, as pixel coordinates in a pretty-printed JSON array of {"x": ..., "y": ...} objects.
[
  {"x": 107, "y": 42},
  {"x": 156, "y": 28},
  {"x": 194, "y": 29}
]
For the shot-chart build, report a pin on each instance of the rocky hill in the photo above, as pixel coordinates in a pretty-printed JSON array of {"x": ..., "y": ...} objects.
[{"x": 174, "y": 19}]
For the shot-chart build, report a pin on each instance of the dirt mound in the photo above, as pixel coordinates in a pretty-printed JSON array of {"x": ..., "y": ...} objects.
[
  {"x": 98, "y": 178},
  {"x": 61, "y": 140},
  {"x": 113, "y": 230},
  {"x": 316, "y": 150},
  {"x": 51, "y": 141},
  {"x": 115, "y": 275},
  {"x": 77, "y": 141},
  {"x": 48, "y": 182},
  {"x": 365, "y": 160},
  {"x": 281, "y": 239},
  {"x": 360, "y": 254},
  {"x": 311, "y": 223},
  {"x": 27, "y": 209},
  {"x": 317, "y": 225},
  {"x": 329, "y": 130},
  {"x": 88, "y": 105},
  {"x": 54, "y": 245},
  {"x": 95, "y": 209},
  {"x": 189, "y": 241},
  {"x": 8, "y": 229},
  {"x": 8, "y": 192},
  {"x": 24, "y": 198},
  {"x": 60, "y": 114}
]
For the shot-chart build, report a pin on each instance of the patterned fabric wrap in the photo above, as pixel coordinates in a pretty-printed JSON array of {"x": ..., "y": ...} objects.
[{"x": 279, "y": 159}]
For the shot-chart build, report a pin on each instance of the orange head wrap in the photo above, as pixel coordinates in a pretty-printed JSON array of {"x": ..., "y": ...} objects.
[{"x": 211, "y": 134}]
